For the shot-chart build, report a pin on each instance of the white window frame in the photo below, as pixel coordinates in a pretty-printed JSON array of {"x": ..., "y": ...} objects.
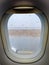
[{"x": 5, "y": 39}]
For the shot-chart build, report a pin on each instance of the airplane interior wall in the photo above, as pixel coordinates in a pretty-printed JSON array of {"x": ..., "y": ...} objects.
[{"x": 43, "y": 5}]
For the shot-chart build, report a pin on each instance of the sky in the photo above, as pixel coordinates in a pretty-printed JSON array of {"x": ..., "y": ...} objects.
[{"x": 24, "y": 21}]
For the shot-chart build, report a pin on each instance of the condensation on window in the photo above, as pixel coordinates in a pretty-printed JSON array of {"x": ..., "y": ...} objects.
[{"x": 24, "y": 32}]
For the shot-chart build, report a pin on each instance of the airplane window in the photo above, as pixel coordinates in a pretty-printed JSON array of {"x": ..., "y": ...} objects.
[{"x": 25, "y": 35}]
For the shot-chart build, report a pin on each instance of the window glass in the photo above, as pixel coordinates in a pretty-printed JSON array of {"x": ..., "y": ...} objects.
[{"x": 24, "y": 32}]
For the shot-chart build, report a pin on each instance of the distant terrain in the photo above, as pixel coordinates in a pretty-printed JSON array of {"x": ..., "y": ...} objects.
[{"x": 33, "y": 32}]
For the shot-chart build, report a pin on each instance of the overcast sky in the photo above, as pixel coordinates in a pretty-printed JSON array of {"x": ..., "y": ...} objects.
[{"x": 24, "y": 21}]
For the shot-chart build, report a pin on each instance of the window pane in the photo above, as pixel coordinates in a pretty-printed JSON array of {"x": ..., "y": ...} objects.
[{"x": 24, "y": 34}]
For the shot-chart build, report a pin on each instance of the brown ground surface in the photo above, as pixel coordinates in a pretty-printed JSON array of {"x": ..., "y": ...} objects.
[{"x": 34, "y": 32}]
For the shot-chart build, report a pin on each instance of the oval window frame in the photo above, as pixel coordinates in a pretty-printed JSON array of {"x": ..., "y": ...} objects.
[{"x": 5, "y": 39}]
